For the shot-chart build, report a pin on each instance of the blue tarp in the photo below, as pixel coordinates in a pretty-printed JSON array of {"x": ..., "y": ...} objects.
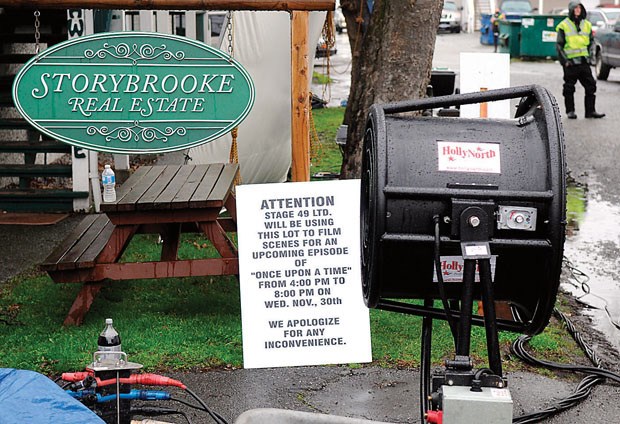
[{"x": 30, "y": 397}]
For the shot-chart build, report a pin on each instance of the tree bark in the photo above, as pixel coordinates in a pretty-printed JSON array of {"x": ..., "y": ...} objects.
[{"x": 391, "y": 60}]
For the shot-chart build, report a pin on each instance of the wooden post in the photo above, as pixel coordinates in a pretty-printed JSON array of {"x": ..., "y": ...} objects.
[
  {"x": 300, "y": 104},
  {"x": 484, "y": 106}
]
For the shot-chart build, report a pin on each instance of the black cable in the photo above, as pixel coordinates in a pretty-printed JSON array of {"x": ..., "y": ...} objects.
[
  {"x": 216, "y": 417},
  {"x": 596, "y": 374},
  {"x": 483, "y": 371},
  {"x": 581, "y": 282},
  {"x": 440, "y": 282},
  {"x": 151, "y": 411},
  {"x": 189, "y": 404}
]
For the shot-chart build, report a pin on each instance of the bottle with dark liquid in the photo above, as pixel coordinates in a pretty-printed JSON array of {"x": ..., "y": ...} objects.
[{"x": 109, "y": 341}]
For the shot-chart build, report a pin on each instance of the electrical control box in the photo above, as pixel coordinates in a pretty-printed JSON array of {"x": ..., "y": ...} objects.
[
  {"x": 461, "y": 405},
  {"x": 516, "y": 218}
]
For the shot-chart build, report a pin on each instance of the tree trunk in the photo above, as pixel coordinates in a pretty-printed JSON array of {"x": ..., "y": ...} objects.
[{"x": 391, "y": 61}]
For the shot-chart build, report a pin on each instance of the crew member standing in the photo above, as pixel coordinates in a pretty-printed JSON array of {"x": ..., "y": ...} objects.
[
  {"x": 495, "y": 18},
  {"x": 573, "y": 44}
]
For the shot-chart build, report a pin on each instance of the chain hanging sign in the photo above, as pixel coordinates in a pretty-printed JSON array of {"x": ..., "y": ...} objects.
[{"x": 133, "y": 92}]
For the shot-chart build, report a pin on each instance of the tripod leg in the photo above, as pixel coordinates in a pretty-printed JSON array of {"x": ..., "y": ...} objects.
[
  {"x": 467, "y": 299},
  {"x": 490, "y": 321},
  {"x": 425, "y": 362}
]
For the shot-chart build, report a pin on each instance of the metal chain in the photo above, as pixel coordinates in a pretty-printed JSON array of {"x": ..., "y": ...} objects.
[
  {"x": 234, "y": 149},
  {"x": 37, "y": 34},
  {"x": 229, "y": 27}
]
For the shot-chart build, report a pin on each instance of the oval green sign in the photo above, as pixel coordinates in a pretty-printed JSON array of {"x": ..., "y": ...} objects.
[{"x": 133, "y": 92}]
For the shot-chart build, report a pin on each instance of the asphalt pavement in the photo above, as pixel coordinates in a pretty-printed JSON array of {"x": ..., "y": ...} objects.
[{"x": 391, "y": 395}]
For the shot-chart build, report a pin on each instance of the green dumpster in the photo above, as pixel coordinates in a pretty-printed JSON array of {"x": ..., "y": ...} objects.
[
  {"x": 509, "y": 37},
  {"x": 538, "y": 35}
]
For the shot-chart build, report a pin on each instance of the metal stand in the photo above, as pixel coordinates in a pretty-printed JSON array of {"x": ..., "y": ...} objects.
[
  {"x": 466, "y": 384},
  {"x": 113, "y": 365},
  {"x": 425, "y": 362}
]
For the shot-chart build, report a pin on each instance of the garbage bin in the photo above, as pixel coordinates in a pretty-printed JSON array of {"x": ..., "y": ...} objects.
[
  {"x": 442, "y": 81},
  {"x": 419, "y": 176},
  {"x": 538, "y": 36},
  {"x": 509, "y": 37},
  {"x": 486, "y": 29}
]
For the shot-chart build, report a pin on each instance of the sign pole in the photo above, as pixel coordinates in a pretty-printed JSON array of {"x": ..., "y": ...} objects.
[
  {"x": 300, "y": 104},
  {"x": 83, "y": 162}
]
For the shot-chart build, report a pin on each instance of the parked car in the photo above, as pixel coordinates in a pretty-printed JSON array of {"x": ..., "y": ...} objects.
[
  {"x": 559, "y": 11},
  {"x": 450, "y": 17},
  {"x": 339, "y": 22},
  {"x": 515, "y": 8},
  {"x": 602, "y": 18},
  {"x": 606, "y": 50}
]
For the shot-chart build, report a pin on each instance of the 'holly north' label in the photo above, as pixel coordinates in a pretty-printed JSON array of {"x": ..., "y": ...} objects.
[{"x": 468, "y": 157}]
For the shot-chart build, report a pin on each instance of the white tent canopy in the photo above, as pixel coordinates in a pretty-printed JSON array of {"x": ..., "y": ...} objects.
[{"x": 262, "y": 44}]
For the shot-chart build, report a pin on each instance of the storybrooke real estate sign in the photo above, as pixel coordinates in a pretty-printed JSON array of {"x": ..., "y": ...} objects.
[{"x": 133, "y": 92}]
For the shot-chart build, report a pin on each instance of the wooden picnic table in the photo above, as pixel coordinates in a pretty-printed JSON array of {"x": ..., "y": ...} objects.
[{"x": 166, "y": 200}]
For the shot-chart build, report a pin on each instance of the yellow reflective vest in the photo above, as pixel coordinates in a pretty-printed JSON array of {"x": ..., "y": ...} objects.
[{"x": 577, "y": 40}]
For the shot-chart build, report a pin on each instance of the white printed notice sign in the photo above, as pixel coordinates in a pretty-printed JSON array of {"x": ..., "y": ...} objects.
[{"x": 299, "y": 268}]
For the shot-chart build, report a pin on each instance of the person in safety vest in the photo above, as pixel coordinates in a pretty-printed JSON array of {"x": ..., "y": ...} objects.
[
  {"x": 495, "y": 18},
  {"x": 573, "y": 45}
]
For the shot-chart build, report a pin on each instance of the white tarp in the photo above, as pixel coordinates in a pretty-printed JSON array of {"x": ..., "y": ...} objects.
[{"x": 262, "y": 44}]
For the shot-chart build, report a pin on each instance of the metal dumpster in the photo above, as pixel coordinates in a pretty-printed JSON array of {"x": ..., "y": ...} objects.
[
  {"x": 509, "y": 37},
  {"x": 538, "y": 36}
]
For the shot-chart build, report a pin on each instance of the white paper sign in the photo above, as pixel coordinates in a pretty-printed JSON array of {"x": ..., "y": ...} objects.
[
  {"x": 300, "y": 277},
  {"x": 468, "y": 157},
  {"x": 485, "y": 71},
  {"x": 526, "y": 22}
]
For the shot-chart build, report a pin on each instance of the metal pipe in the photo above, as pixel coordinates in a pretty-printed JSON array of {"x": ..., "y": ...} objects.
[
  {"x": 474, "y": 193},
  {"x": 462, "y": 99},
  {"x": 419, "y": 310},
  {"x": 421, "y": 238}
]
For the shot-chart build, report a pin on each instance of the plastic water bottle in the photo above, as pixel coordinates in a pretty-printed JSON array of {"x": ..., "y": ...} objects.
[
  {"x": 109, "y": 341},
  {"x": 109, "y": 184}
]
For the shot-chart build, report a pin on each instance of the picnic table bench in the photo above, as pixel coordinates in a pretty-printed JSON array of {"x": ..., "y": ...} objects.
[{"x": 166, "y": 200}]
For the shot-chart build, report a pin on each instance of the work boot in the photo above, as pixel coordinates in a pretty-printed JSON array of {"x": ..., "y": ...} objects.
[
  {"x": 590, "y": 101},
  {"x": 569, "y": 106}
]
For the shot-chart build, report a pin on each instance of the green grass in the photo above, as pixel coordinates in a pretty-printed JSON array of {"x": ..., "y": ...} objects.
[
  {"x": 195, "y": 323},
  {"x": 318, "y": 78},
  {"x": 189, "y": 323},
  {"x": 327, "y": 157},
  {"x": 575, "y": 203}
]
